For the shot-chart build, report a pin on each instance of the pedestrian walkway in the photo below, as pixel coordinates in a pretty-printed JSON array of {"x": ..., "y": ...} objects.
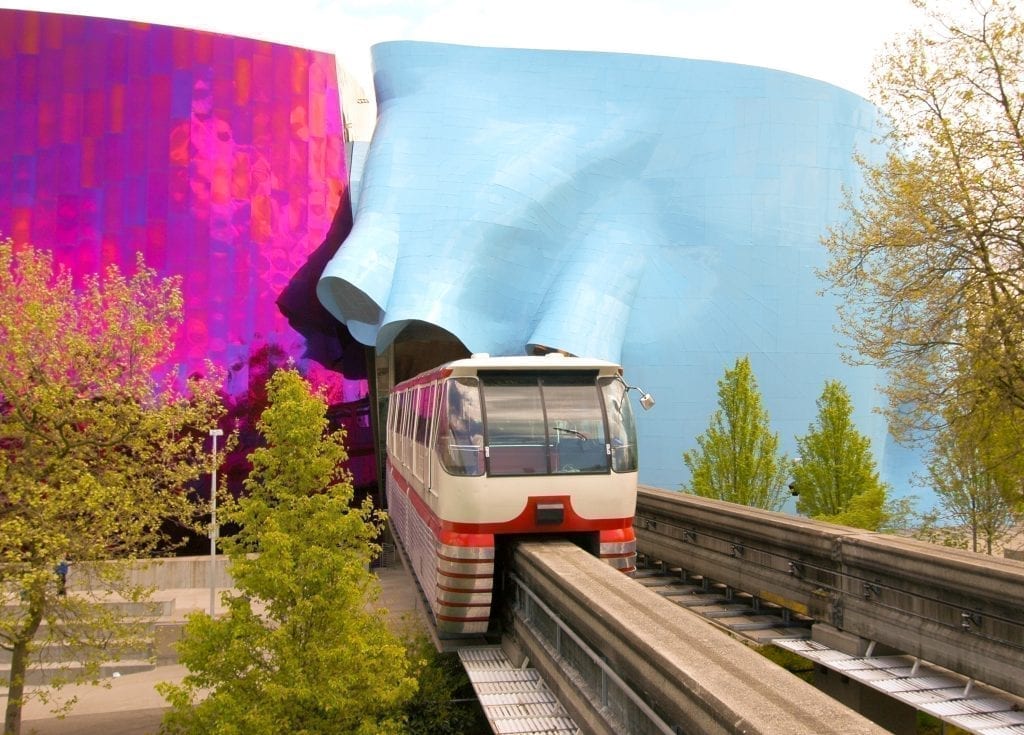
[
  {"x": 952, "y": 698},
  {"x": 122, "y": 705},
  {"x": 128, "y": 704},
  {"x": 515, "y": 699}
]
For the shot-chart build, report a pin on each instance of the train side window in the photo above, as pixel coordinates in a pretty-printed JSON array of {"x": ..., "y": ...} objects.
[
  {"x": 460, "y": 441},
  {"x": 423, "y": 415},
  {"x": 621, "y": 425},
  {"x": 408, "y": 406},
  {"x": 394, "y": 412}
]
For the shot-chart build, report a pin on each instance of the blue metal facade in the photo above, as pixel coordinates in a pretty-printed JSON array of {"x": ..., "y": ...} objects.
[{"x": 664, "y": 213}]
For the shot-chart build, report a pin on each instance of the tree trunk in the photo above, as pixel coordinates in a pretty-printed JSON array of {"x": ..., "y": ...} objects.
[
  {"x": 19, "y": 665},
  {"x": 16, "y": 689}
]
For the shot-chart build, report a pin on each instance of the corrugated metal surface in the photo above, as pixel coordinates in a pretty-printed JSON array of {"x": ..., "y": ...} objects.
[
  {"x": 514, "y": 699},
  {"x": 953, "y": 699}
]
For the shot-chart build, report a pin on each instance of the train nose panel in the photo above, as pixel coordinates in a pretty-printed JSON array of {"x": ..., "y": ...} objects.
[{"x": 618, "y": 548}]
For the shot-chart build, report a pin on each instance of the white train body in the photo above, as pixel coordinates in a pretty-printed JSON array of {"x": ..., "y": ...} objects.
[{"x": 507, "y": 446}]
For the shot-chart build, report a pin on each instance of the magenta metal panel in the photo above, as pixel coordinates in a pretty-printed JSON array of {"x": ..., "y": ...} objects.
[{"x": 219, "y": 158}]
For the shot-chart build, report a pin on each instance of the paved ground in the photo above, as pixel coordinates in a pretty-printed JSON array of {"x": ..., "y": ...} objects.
[{"x": 129, "y": 705}]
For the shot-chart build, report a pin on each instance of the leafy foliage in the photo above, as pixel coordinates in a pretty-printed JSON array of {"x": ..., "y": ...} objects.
[
  {"x": 930, "y": 264},
  {"x": 737, "y": 457},
  {"x": 441, "y": 705},
  {"x": 836, "y": 475},
  {"x": 976, "y": 490},
  {"x": 95, "y": 455},
  {"x": 298, "y": 649}
]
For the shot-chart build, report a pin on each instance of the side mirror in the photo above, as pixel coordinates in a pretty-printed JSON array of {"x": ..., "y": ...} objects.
[{"x": 646, "y": 399}]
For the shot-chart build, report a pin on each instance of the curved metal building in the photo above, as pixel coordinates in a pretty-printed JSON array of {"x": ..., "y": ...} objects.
[
  {"x": 221, "y": 159},
  {"x": 663, "y": 213}
]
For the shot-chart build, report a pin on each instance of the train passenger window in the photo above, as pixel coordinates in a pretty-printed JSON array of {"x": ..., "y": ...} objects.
[
  {"x": 394, "y": 420},
  {"x": 460, "y": 440},
  {"x": 390, "y": 430},
  {"x": 405, "y": 428},
  {"x": 621, "y": 425},
  {"x": 422, "y": 423}
]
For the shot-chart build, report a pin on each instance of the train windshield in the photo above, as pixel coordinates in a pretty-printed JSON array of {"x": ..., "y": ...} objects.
[{"x": 544, "y": 423}]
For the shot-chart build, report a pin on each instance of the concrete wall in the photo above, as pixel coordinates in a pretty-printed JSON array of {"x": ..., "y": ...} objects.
[{"x": 185, "y": 572}]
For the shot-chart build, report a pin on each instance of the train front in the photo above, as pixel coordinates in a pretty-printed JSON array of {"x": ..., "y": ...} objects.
[
  {"x": 535, "y": 449},
  {"x": 510, "y": 447}
]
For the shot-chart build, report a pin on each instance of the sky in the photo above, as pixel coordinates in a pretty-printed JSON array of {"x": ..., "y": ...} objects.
[{"x": 832, "y": 40}]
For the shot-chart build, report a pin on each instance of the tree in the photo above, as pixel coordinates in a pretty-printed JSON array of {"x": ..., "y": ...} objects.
[
  {"x": 836, "y": 475},
  {"x": 976, "y": 478},
  {"x": 930, "y": 262},
  {"x": 864, "y": 510},
  {"x": 443, "y": 703},
  {"x": 95, "y": 454},
  {"x": 737, "y": 458},
  {"x": 298, "y": 649}
]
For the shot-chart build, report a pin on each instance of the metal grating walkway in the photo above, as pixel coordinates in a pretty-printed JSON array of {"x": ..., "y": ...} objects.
[
  {"x": 956, "y": 700},
  {"x": 514, "y": 700}
]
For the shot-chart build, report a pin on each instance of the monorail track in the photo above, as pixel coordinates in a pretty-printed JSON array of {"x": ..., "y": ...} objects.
[
  {"x": 634, "y": 635},
  {"x": 961, "y": 611},
  {"x": 954, "y": 699},
  {"x": 740, "y": 613},
  {"x": 769, "y": 578},
  {"x": 623, "y": 658}
]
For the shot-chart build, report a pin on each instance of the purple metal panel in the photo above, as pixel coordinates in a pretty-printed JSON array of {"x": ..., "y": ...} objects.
[{"x": 221, "y": 159}]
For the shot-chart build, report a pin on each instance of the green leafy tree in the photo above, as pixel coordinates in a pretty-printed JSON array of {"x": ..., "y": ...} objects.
[
  {"x": 930, "y": 262},
  {"x": 977, "y": 479},
  {"x": 299, "y": 649},
  {"x": 836, "y": 476},
  {"x": 444, "y": 702},
  {"x": 737, "y": 458},
  {"x": 94, "y": 453},
  {"x": 864, "y": 510}
]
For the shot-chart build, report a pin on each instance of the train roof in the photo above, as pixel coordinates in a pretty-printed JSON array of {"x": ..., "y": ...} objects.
[{"x": 551, "y": 361}]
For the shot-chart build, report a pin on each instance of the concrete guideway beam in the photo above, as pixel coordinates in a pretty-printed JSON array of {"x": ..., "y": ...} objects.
[
  {"x": 695, "y": 678},
  {"x": 960, "y": 610}
]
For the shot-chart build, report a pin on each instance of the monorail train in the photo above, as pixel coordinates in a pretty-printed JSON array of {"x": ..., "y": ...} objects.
[{"x": 487, "y": 447}]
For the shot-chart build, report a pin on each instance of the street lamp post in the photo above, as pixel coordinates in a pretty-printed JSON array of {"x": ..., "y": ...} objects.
[{"x": 214, "y": 433}]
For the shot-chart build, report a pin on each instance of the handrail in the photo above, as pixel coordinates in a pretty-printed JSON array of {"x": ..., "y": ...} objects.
[
  {"x": 659, "y": 724},
  {"x": 684, "y": 669}
]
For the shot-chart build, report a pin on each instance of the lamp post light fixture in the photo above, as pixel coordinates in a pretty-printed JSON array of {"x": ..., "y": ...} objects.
[{"x": 214, "y": 433}]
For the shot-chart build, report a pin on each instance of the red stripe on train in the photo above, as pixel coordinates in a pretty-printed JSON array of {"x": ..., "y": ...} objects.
[
  {"x": 451, "y": 619},
  {"x": 462, "y": 534},
  {"x": 434, "y": 376}
]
